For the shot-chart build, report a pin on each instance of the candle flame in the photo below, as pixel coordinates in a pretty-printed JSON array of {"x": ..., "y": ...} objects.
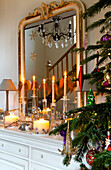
[
  {"x": 48, "y": 109},
  {"x": 42, "y": 120},
  {"x": 53, "y": 78},
  {"x": 44, "y": 81},
  {"x": 12, "y": 114},
  {"x": 65, "y": 74},
  {"x": 23, "y": 80},
  {"x": 33, "y": 77}
]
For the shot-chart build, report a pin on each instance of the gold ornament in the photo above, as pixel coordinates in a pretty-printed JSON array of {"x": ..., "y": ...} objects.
[
  {"x": 107, "y": 74},
  {"x": 68, "y": 148}
]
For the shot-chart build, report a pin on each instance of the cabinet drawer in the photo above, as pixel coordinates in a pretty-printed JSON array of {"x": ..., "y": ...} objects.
[
  {"x": 14, "y": 148},
  {"x": 42, "y": 167},
  {"x": 47, "y": 157}
]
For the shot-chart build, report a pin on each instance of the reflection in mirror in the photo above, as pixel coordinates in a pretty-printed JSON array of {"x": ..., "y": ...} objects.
[{"x": 38, "y": 52}]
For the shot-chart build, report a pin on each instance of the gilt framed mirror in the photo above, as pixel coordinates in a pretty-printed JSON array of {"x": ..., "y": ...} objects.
[{"x": 39, "y": 54}]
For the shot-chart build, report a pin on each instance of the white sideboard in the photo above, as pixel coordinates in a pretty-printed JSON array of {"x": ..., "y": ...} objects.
[{"x": 22, "y": 151}]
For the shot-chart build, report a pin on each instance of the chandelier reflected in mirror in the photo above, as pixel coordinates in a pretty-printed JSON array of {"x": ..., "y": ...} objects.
[{"x": 57, "y": 35}]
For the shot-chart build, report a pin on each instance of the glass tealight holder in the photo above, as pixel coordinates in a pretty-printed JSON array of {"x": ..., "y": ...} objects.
[
  {"x": 46, "y": 113},
  {"x": 53, "y": 116},
  {"x": 11, "y": 119},
  {"x": 23, "y": 111},
  {"x": 44, "y": 102},
  {"x": 35, "y": 110},
  {"x": 65, "y": 99}
]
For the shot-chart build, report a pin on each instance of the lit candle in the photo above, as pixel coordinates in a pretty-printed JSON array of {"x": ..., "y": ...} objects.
[
  {"x": 33, "y": 86},
  {"x": 46, "y": 111},
  {"x": 108, "y": 135},
  {"x": 65, "y": 77},
  {"x": 53, "y": 89},
  {"x": 23, "y": 90},
  {"x": 10, "y": 119},
  {"x": 41, "y": 125},
  {"x": 44, "y": 88}
]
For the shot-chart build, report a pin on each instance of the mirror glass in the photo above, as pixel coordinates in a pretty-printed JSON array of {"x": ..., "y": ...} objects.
[{"x": 37, "y": 53}]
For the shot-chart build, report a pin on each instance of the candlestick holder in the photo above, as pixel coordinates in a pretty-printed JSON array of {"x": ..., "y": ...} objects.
[
  {"x": 53, "y": 116},
  {"x": 65, "y": 99},
  {"x": 34, "y": 107},
  {"x": 22, "y": 110},
  {"x": 44, "y": 101}
]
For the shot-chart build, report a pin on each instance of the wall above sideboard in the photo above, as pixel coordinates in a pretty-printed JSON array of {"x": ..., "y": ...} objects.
[{"x": 11, "y": 13}]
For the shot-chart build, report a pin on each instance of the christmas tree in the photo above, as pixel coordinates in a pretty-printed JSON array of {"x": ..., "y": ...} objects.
[{"x": 94, "y": 120}]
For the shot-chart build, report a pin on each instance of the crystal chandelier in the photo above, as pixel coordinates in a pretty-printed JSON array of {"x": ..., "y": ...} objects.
[{"x": 56, "y": 36}]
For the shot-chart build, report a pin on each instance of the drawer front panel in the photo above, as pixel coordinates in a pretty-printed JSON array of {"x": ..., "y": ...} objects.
[
  {"x": 14, "y": 148},
  {"x": 47, "y": 157},
  {"x": 42, "y": 167},
  {"x": 8, "y": 162}
]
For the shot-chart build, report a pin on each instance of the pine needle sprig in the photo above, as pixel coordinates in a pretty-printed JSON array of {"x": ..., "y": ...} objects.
[
  {"x": 89, "y": 58},
  {"x": 96, "y": 24},
  {"x": 96, "y": 8},
  {"x": 102, "y": 161}
]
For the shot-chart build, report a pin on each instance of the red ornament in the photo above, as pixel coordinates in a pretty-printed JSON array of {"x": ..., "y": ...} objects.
[
  {"x": 81, "y": 77},
  {"x": 109, "y": 147},
  {"x": 90, "y": 156}
]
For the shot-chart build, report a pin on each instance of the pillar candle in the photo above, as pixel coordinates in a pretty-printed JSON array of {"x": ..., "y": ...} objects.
[
  {"x": 33, "y": 86},
  {"x": 44, "y": 88},
  {"x": 53, "y": 89},
  {"x": 41, "y": 125},
  {"x": 10, "y": 119},
  {"x": 65, "y": 77},
  {"x": 108, "y": 135}
]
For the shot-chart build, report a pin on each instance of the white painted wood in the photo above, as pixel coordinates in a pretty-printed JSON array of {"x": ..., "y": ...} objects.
[
  {"x": 36, "y": 166},
  {"x": 14, "y": 148},
  {"x": 24, "y": 151},
  {"x": 8, "y": 162}
]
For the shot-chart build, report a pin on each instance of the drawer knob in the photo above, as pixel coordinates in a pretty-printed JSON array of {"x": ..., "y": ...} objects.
[
  {"x": 2, "y": 145},
  {"x": 41, "y": 156},
  {"x": 19, "y": 150}
]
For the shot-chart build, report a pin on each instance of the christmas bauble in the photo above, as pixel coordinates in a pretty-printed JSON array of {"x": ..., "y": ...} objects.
[
  {"x": 106, "y": 84},
  {"x": 105, "y": 37},
  {"x": 90, "y": 156},
  {"x": 109, "y": 147}
]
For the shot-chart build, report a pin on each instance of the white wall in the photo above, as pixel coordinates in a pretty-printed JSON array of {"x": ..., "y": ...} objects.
[{"x": 11, "y": 12}]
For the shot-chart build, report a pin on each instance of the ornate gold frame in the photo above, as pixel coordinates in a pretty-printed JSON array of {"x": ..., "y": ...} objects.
[{"x": 45, "y": 12}]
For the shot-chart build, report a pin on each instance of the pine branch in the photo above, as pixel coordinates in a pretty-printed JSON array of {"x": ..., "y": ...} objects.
[
  {"x": 91, "y": 108},
  {"x": 102, "y": 160},
  {"x": 85, "y": 116},
  {"x": 107, "y": 15},
  {"x": 90, "y": 133},
  {"x": 100, "y": 23},
  {"x": 96, "y": 24},
  {"x": 89, "y": 48},
  {"x": 96, "y": 8},
  {"x": 89, "y": 58}
]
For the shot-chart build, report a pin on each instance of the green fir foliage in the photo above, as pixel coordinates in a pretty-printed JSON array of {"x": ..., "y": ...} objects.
[
  {"x": 102, "y": 161},
  {"x": 90, "y": 123}
]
